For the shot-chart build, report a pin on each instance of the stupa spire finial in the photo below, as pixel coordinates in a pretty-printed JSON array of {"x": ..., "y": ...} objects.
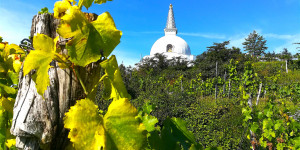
[{"x": 170, "y": 27}]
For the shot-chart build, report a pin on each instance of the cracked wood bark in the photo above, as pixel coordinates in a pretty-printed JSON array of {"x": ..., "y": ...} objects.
[{"x": 37, "y": 122}]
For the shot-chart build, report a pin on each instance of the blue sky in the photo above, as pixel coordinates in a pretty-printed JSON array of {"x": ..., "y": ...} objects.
[{"x": 199, "y": 22}]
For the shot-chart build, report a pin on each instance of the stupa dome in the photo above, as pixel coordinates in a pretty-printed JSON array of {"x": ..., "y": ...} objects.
[{"x": 170, "y": 43}]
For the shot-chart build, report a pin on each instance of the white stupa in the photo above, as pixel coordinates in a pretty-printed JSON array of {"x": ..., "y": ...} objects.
[{"x": 171, "y": 45}]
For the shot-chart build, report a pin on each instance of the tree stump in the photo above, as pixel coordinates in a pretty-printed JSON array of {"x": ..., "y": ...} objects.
[{"x": 38, "y": 122}]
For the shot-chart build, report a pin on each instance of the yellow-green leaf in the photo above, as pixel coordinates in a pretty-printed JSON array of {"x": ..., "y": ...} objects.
[
  {"x": 10, "y": 142},
  {"x": 17, "y": 65},
  {"x": 7, "y": 103},
  {"x": 60, "y": 7},
  {"x": 87, "y": 132},
  {"x": 123, "y": 127},
  {"x": 119, "y": 129},
  {"x": 4, "y": 89},
  {"x": 44, "y": 43},
  {"x": 85, "y": 3},
  {"x": 113, "y": 79},
  {"x": 40, "y": 59},
  {"x": 89, "y": 40},
  {"x": 105, "y": 25},
  {"x": 101, "y": 1}
]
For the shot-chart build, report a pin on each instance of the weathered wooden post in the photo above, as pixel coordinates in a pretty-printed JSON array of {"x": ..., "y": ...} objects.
[{"x": 38, "y": 122}]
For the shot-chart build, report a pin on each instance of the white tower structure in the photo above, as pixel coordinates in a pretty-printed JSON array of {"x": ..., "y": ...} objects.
[{"x": 171, "y": 45}]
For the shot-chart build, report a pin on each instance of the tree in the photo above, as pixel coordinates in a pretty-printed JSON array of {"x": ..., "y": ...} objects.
[
  {"x": 255, "y": 44},
  {"x": 286, "y": 55},
  {"x": 270, "y": 56}
]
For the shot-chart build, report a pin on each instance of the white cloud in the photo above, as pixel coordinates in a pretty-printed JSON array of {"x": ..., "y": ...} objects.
[
  {"x": 209, "y": 36},
  {"x": 289, "y": 44},
  {"x": 237, "y": 40},
  {"x": 279, "y": 36}
]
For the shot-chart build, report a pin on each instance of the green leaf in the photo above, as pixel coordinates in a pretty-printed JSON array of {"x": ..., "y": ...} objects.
[
  {"x": 40, "y": 59},
  {"x": 89, "y": 40},
  {"x": 113, "y": 80},
  {"x": 254, "y": 127},
  {"x": 149, "y": 122},
  {"x": 278, "y": 125},
  {"x": 4, "y": 89},
  {"x": 174, "y": 132},
  {"x": 147, "y": 107},
  {"x": 14, "y": 77},
  {"x": 3, "y": 123},
  {"x": 214, "y": 148}
]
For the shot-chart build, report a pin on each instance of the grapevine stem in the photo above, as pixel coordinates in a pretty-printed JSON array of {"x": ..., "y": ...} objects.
[{"x": 78, "y": 77}]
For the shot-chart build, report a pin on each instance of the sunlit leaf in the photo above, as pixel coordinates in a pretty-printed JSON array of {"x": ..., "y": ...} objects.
[
  {"x": 89, "y": 40},
  {"x": 85, "y": 3},
  {"x": 149, "y": 122},
  {"x": 119, "y": 129},
  {"x": 40, "y": 59},
  {"x": 110, "y": 35},
  {"x": 101, "y": 1},
  {"x": 122, "y": 126},
  {"x": 7, "y": 103},
  {"x": 60, "y": 7},
  {"x": 113, "y": 79},
  {"x": 87, "y": 132},
  {"x": 10, "y": 142},
  {"x": 4, "y": 89},
  {"x": 17, "y": 65}
]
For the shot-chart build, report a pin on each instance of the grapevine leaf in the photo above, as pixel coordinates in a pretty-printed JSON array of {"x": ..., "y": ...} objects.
[
  {"x": 113, "y": 79},
  {"x": 60, "y": 7},
  {"x": 147, "y": 107},
  {"x": 278, "y": 125},
  {"x": 107, "y": 29},
  {"x": 123, "y": 127},
  {"x": 175, "y": 131},
  {"x": 87, "y": 127},
  {"x": 89, "y": 40},
  {"x": 2, "y": 67},
  {"x": 40, "y": 59},
  {"x": 13, "y": 77},
  {"x": 7, "y": 103},
  {"x": 119, "y": 129},
  {"x": 4, "y": 89},
  {"x": 85, "y": 3},
  {"x": 254, "y": 127},
  {"x": 101, "y": 1},
  {"x": 10, "y": 142},
  {"x": 17, "y": 65},
  {"x": 2, "y": 127},
  {"x": 11, "y": 49},
  {"x": 149, "y": 122}
]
